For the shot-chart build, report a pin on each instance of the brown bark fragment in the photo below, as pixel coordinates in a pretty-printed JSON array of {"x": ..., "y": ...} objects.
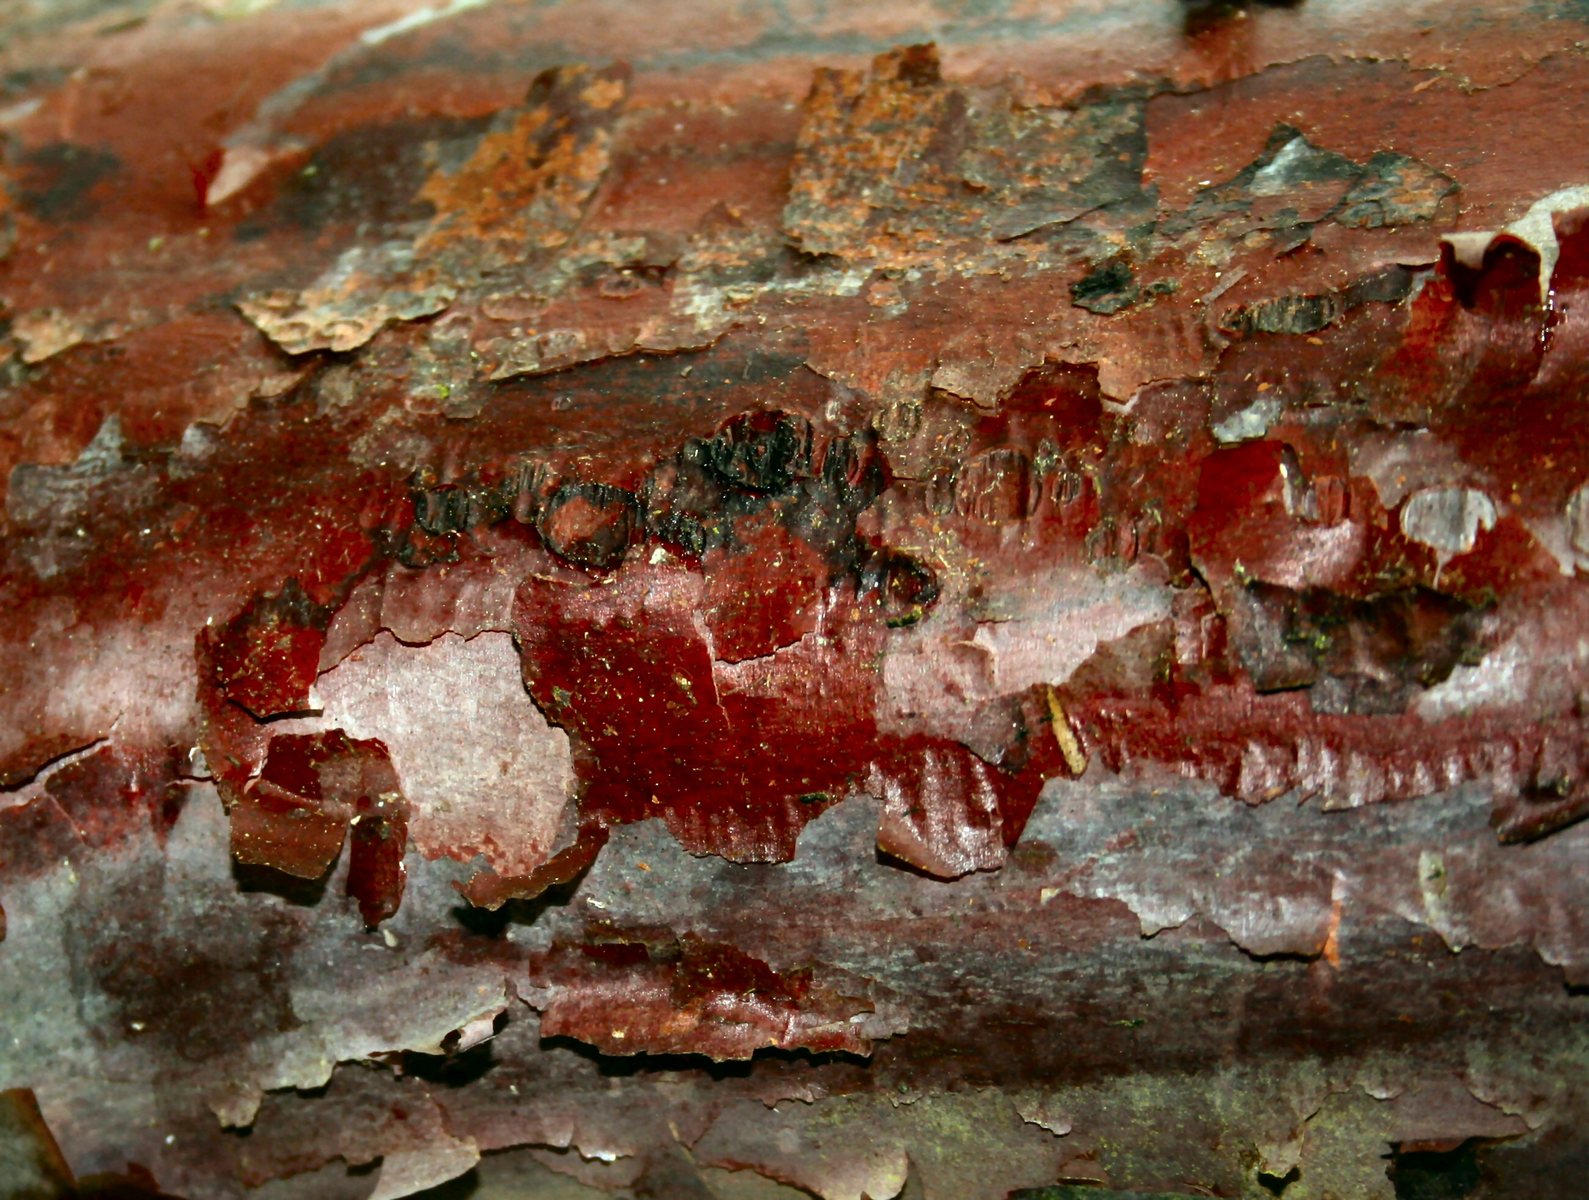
[{"x": 1013, "y": 577}]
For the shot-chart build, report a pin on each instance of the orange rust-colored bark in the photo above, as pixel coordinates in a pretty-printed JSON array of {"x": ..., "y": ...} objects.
[{"x": 760, "y": 600}]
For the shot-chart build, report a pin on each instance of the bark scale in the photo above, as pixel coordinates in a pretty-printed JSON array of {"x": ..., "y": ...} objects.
[{"x": 769, "y": 602}]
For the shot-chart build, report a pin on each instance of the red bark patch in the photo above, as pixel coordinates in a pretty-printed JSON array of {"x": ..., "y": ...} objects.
[
  {"x": 638, "y": 993},
  {"x": 295, "y": 815},
  {"x": 265, "y": 659}
]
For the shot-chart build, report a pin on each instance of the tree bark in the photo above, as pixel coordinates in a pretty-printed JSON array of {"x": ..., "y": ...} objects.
[{"x": 769, "y": 600}]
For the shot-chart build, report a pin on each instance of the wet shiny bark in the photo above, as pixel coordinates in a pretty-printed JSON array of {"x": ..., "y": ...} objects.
[{"x": 770, "y": 600}]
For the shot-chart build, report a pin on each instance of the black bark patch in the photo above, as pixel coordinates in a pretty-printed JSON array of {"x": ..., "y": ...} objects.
[
  {"x": 371, "y": 175},
  {"x": 1309, "y": 314},
  {"x": 56, "y": 181},
  {"x": 1358, "y": 656},
  {"x": 759, "y": 451},
  {"x": 1107, "y": 289}
]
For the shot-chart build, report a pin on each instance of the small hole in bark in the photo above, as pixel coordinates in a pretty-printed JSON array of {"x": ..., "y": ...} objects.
[
  {"x": 1434, "y": 1174},
  {"x": 453, "y": 1069},
  {"x": 1276, "y": 1185}
]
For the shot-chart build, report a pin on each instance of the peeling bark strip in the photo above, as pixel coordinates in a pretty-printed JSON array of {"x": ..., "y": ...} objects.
[{"x": 742, "y": 604}]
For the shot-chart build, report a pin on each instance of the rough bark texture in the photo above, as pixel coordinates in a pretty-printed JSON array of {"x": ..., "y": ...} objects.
[{"x": 753, "y": 599}]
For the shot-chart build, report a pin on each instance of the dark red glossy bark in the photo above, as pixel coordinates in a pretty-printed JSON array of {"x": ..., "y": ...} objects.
[{"x": 767, "y": 600}]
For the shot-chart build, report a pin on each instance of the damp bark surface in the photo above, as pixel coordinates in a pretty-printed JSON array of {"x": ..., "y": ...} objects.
[{"x": 764, "y": 600}]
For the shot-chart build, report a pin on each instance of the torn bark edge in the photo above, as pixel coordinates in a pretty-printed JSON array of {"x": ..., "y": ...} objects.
[{"x": 488, "y": 890}]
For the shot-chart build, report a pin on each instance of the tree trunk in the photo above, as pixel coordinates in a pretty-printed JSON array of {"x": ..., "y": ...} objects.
[{"x": 756, "y": 600}]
